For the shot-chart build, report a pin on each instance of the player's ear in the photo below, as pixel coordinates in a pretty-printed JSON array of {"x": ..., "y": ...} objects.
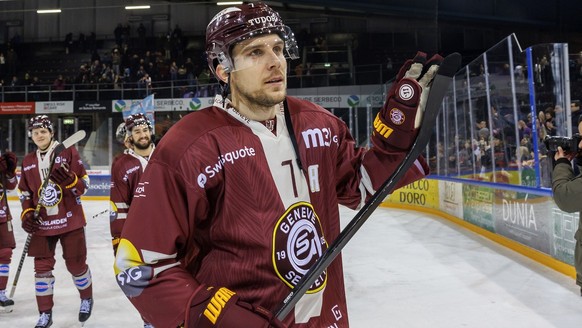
[{"x": 221, "y": 73}]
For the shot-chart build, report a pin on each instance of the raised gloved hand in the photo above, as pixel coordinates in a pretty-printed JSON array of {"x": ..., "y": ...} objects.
[
  {"x": 63, "y": 177},
  {"x": 396, "y": 125},
  {"x": 222, "y": 308},
  {"x": 8, "y": 163},
  {"x": 29, "y": 223}
]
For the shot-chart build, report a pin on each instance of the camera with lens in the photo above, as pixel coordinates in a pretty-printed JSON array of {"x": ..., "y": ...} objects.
[{"x": 569, "y": 145}]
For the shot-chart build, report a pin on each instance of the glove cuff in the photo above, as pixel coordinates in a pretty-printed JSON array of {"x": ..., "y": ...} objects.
[
  {"x": 74, "y": 183},
  {"x": 24, "y": 213},
  {"x": 222, "y": 307}
]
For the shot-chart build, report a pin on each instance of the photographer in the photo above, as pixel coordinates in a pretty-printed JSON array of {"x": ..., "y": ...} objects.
[{"x": 567, "y": 188}]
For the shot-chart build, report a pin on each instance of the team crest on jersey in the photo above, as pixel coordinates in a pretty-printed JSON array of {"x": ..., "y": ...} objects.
[
  {"x": 397, "y": 116},
  {"x": 298, "y": 242},
  {"x": 52, "y": 195}
]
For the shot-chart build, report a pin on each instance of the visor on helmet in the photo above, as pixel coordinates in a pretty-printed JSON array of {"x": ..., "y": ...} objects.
[
  {"x": 286, "y": 47},
  {"x": 121, "y": 133},
  {"x": 261, "y": 50}
]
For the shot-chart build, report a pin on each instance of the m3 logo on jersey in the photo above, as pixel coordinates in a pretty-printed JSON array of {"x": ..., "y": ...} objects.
[
  {"x": 62, "y": 160},
  {"x": 298, "y": 243},
  {"x": 318, "y": 137}
]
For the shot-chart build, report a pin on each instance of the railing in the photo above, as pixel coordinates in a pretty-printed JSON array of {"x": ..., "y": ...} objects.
[{"x": 189, "y": 88}]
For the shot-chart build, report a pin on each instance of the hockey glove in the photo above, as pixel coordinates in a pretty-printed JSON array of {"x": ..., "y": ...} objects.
[
  {"x": 396, "y": 125},
  {"x": 29, "y": 223},
  {"x": 63, "y": 177},
  {"x": 222, "y": 308},
  {"x": 8, "y": 162}
]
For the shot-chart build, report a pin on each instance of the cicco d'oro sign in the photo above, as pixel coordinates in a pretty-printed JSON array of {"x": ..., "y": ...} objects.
[{"x": 422, "y": 192}]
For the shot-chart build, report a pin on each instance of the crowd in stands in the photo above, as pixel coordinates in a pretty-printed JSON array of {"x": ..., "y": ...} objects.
[
  {"x": 499, "y": 141},
  {"x": 496, "y": 146},
  {"x": 134, "y": 63}
]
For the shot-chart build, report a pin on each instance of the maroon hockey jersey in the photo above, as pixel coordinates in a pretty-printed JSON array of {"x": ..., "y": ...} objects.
[
  {"x": 4, "y": 209},
  {"x": 61, "y": 210},
  {"x": 223, "y": 202},
  {"x": 126, "y": 171}
]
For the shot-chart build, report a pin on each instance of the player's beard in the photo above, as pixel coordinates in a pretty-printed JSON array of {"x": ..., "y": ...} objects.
[
  {"x": 259, "y": 98},
  {"x": 142, "y": 146}
]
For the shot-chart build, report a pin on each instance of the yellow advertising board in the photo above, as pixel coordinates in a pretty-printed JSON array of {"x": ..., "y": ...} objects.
[{"x": 424, "y": 192}]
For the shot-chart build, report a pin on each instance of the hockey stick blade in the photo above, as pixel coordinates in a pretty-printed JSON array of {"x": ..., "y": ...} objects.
[
  {"x": 73, "y": 139},
  {"x": 440, "y": 85}
]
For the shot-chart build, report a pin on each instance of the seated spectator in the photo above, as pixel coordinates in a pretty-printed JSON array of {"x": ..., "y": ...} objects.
[
  {"x": 59, "y": 83},
  {"x": 523, "y": 129}
]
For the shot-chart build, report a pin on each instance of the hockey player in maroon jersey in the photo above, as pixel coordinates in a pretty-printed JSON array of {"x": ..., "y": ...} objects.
[
  {"x": 61, "y": 217},
  {"x": 241, "y": 198},
  {"x": 136, "y": 134},
  {"x": 8, "y": 163},
  {"x": 127, "y": 168}
]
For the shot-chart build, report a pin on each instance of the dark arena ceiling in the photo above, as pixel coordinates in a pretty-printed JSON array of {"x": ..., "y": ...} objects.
[{"x": 534, "y": 12}]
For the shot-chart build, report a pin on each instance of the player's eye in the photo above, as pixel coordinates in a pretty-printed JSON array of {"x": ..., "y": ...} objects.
[
  {"x": 255, "y": 53},
  {"x": 278, "y": 49}
]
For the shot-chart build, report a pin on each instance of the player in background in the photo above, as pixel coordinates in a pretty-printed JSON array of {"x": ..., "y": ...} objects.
[
  {"x": 241, "y": 198},
  {"x": 8, "y": 163},
  {"x": 136, "y": 133},
  {"x": 61, "y": 217}
]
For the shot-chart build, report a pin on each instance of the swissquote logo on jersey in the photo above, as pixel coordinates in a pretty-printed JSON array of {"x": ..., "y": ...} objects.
[
  {"x": 298, "y": 242},
  {"x": 211, "y": 171}
]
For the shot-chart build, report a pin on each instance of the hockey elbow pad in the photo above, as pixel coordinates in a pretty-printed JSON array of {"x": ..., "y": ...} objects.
[{"x": 222, "y": 308}]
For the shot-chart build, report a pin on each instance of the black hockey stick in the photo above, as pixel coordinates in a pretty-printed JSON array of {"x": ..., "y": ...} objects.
[
  {"x": 439, "y": 87},
  {"x": 100, "y": 213},
  {"x": 73, "y": 139}
]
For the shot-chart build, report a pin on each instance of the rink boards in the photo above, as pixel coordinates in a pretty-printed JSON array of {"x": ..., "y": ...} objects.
[{"x": 516, "y": 218}]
